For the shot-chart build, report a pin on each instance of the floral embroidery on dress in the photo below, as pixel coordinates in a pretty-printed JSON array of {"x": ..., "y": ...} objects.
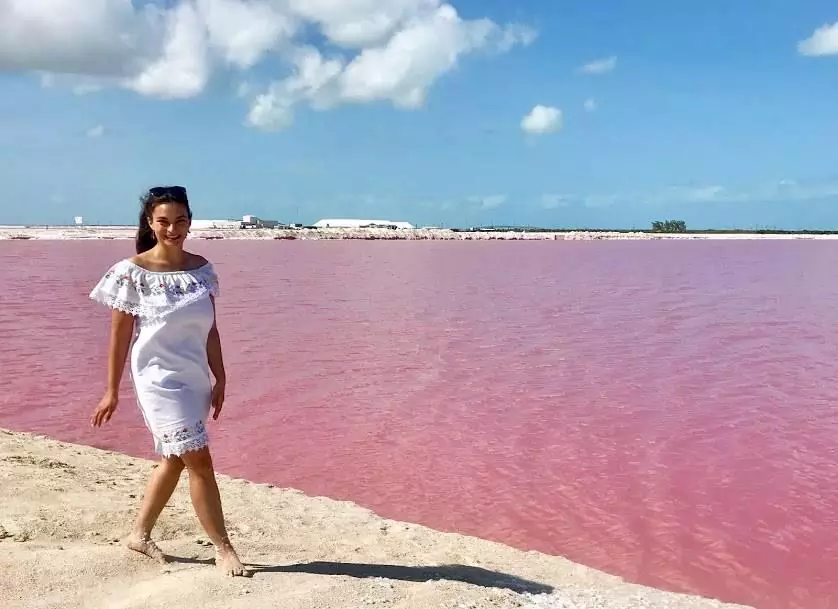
[
  {"x": 183, "y": 439},
  {"x": 184, "y": 433},
  {"x": 124, "y": 279},
  {"x": 151, "y": 296}
]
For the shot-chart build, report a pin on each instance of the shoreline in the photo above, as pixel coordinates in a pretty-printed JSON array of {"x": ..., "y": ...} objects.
[
  {"x": 67, "y": 507},
  {"x": 72, "y": 233}
]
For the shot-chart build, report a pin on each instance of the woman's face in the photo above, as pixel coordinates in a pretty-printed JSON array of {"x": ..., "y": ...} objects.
[{"x": 170, "y": 223}]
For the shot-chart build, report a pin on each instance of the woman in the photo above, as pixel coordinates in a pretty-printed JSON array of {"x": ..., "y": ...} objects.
[{"x": 164, "y": 299}]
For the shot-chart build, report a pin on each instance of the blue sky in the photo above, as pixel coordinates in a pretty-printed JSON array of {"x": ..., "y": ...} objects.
[{"x": 719, "y": 113}]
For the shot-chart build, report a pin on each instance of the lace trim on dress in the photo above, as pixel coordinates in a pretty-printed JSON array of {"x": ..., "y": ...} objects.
[
  {"x": 152, "y": 295},
  {"x": 182, "y": 440}
]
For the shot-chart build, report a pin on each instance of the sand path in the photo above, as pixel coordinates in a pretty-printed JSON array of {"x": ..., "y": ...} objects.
[{"x": 64, "y": 509}]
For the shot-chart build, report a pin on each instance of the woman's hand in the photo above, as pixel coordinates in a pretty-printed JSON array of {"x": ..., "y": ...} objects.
[
  {"x": 217, "y": 399},
  {"x": 104, "y": 411}
]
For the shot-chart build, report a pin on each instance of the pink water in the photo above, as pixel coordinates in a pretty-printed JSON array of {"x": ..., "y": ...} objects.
[{"x": 660, "y": 410}]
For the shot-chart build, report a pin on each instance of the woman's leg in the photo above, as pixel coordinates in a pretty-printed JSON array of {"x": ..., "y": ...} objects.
[
  {"x": 159, "y": 489},
  {"x": 207, "y": 503}
]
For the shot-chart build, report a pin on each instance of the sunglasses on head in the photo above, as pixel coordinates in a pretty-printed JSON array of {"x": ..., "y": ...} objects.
[{"x": 174, "y": 192}]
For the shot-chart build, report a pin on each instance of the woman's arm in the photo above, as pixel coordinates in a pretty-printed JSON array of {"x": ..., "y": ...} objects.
[
  {"x": 122, "y": 330},
  {"x": 214, "y": 357},
  {"x": 216, "y": 364}
]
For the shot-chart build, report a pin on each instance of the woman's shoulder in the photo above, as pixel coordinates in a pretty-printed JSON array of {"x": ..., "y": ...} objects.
[
  {"x": 198, "y": 262},
  {"x": 197, "y": 259}
]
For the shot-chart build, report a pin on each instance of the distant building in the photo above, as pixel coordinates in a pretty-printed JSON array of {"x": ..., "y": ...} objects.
[
  {"x": 247, "y": 221},
  {"x": 352, "y": 223},
  {"x": 254, "y": 222},
  {"x": 216, "y": 224}
]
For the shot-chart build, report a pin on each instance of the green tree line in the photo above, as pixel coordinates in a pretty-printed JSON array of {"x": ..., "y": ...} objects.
[{"x": 669, "y": 226}]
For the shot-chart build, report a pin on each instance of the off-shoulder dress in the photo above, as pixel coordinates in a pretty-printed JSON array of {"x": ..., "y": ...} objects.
[{"x": 169, "y": 366}]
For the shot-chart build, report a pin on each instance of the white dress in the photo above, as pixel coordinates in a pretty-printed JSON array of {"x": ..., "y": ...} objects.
[{"x": 169, "y": 366}]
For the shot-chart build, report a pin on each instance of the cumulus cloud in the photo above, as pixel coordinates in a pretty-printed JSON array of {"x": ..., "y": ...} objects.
[
  {"x": 600, "y": 66},
  {"x": 96, "y": 132},
  {"x": 554, "y": 201},
  {"x": 381, "y": 50},
  {"x": 358, "y": 23},
  {"x": 488, "y": 202},
  {"x": 243, "y": 32},
  {"x": 182, "y": 68},
  {"x": 92, "y": 37},
  {"x": 400, "y": 70},
  {"x": 542, "y": 120},
  {"x": 824, "y": 41},
  {"x": 590, "y": 105}
]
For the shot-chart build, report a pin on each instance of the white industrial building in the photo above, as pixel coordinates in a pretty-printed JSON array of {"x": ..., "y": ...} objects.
[
  {"x": 217, "y": 224},
  {"x": 254, "y": 222},
  {"x": 352, "y": 223},
  {"x": 247, "y": 221}
]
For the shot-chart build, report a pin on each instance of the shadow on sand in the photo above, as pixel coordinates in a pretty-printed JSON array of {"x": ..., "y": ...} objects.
[{"x": 475, "y": 576}]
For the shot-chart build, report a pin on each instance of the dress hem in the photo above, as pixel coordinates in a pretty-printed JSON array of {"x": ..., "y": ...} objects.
[
  {"x": 181, "y": 441},
  {"x": 179, "y": 449}
]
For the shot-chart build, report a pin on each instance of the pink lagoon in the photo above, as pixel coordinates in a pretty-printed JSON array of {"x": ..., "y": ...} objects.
[{"x": 661, "y": 410}]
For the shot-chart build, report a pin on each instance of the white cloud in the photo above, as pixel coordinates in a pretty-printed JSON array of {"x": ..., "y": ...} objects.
[
  {"x": 244, "y": 89},
  {"x": 359, "y": 23},
  {"x": 183, "y": 67},
  {"x": 600, "y": 66},
  {"x": 383, "y": 50},
  {"x": 315, "y": 80},
  {"x": 404, "y": 68},
  {"x": 695, "y": 193},
  {"x": 96, "y": 132},
  {"x": 84, "y": 86},
  {"x": 514, "y": 35},
  {"x": 797, "y": 190},
  {"x": 243, "y": 32},
  {"x": 554, "y": 201},
  {"x": 698, "y": 194},
  {"x": 590, "y": 105},
  {"x": 541, "y": 120},
  {"x": 824, "y": 41},
  {"x": 784, "y": 190},
  {"x": 92, "y": 37},
  {"x": 80, "y": 85},
  {"x": 400, "y": 70},
  {"x": 488, "y": 202}
]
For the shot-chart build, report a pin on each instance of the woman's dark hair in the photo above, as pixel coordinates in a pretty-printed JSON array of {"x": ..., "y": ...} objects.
[{"x": 154, "y": 197}]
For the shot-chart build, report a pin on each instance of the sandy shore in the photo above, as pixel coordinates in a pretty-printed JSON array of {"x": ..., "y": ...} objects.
[
  {"x": 433, "y": 234},
  {"x": 65, "y": 508}
]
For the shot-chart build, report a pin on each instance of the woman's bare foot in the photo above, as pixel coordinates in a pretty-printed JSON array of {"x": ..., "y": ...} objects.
[
  {"x": 146, "y": 546},
  {"x": 228, "y": 561}
]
